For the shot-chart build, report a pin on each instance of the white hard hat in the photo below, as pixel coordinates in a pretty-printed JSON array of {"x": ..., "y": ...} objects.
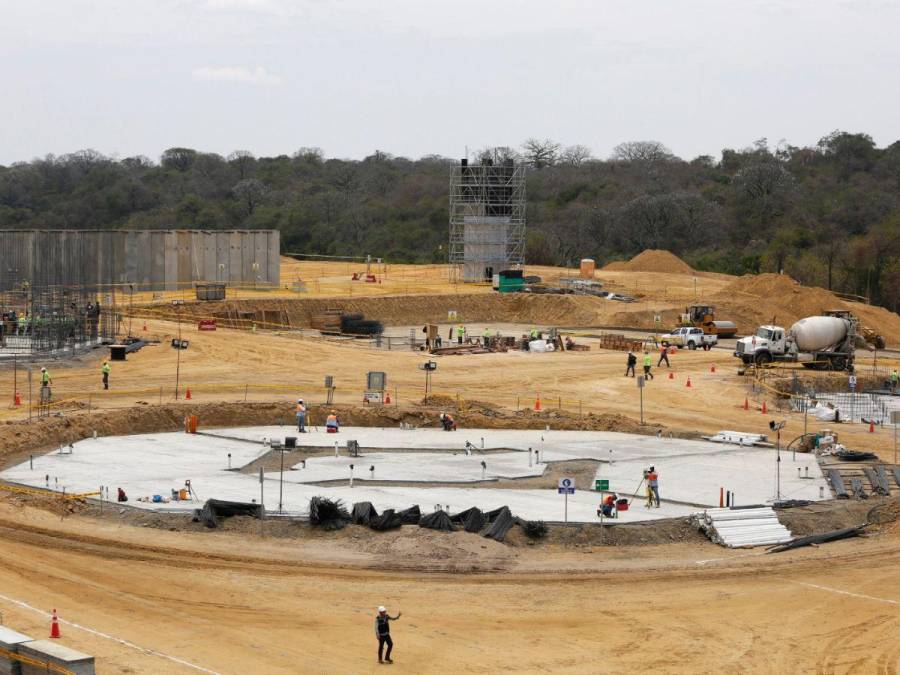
[
  {"x": 382, "y": 609},
  {"x": 43, "y": 369},
  {"x": 299, "y": 400}
]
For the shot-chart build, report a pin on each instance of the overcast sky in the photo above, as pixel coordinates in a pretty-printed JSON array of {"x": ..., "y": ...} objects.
[{"x": 415, "y": 77}]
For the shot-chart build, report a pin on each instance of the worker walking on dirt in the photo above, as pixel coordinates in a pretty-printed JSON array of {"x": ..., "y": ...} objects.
[
  {"x": 46, "y": 380},
  {"x": 383, "y": 633},
  {"x": 301, "y": 416},
  {"x": 460, "y": 334},
  {"x": 895, "y": 378},
  {"x": 653, "y": 484},
  {"x": 632, "y": 362},
  {"x": 663, "y": 356},
  {"x": 648, "y": 363},
  {"x": 104, "y": 369}
]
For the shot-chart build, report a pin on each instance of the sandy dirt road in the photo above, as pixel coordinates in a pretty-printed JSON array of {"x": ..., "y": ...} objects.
[{"x": 260, "y": 606}]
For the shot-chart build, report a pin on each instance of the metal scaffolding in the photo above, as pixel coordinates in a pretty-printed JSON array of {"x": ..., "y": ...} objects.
[
  {"x": 487, "y": 218},
  {"x": 56, "y": 321}
]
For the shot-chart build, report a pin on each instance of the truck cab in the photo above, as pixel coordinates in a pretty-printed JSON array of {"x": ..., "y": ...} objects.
[
  {"x": 765, "y": 346},
  {"x": 689, "y": 337}
]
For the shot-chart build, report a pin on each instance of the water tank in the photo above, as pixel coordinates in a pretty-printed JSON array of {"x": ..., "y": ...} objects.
[
  {"x": 815, "y": 333},
  {"x": 587, "y": 268}
]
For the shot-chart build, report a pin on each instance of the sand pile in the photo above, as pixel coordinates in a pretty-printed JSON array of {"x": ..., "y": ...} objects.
[
  {"x": 652, "y": 260},
  {"x": 752, "y": 300}
]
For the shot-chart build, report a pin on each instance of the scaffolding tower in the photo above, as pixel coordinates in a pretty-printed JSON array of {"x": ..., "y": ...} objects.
[{"x": 487, "y": 219}]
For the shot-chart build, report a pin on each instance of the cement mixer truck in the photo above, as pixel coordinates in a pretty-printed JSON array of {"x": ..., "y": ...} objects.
[{"x": 825, "y": 342}]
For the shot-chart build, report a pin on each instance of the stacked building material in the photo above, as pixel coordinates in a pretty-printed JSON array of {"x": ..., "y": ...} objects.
[
  {"x": 620, "y": 343},
  {"x": 735, "y": 528}
]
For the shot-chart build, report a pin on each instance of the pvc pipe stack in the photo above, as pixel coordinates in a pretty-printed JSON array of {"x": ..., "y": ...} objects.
[{"x": 743, "y": 527}]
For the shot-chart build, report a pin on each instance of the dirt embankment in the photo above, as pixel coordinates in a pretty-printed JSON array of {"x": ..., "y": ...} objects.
[
  {"x": 18, "y": 439},
  {"x": 752, "y": 300},
  {"x": 411, "y": 309},
  {"x": 651, "y": 260}
]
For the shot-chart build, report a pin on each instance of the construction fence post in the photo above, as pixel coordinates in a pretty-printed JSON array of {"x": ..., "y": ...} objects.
[
  {"x": 559, "y": 403},
  {"x": 246, "y": 386},
  {"x": 517, "y": 403},
  {"x": 89, "y": 403}
]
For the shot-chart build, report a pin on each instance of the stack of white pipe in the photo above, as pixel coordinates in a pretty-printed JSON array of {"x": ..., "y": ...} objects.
[{"x": 744, "y": 527}]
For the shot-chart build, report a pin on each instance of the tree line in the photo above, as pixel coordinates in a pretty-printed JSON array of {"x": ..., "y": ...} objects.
[{"x": 828, "y": 215}]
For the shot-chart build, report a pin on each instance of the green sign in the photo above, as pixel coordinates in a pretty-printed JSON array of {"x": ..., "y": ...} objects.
[{"x": 601, "y": 484}]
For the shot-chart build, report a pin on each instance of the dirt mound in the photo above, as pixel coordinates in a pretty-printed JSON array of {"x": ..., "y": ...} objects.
[
  {"x": 414, "y": 309},
  {"x": 755, "y": 299},
  {"x": 652, "y": 260}
]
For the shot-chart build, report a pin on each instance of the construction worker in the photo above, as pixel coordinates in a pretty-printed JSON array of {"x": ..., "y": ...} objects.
[
  {"x": 663, "y": 356},
  {"x": 383, "y": 633},
  {"x": 448, "y": 422},
  {"x": 105, "y": 370},
  {"x": 648, "y": 363},
  {"x": 46, "y": 380},
  {"x": 895, "y": 378},
  {"x": 460, "y": 334},
  {"x": 632, "y": 362},
  {"x": 23, "y": 323},
  {"x": 851, "y": 382},
  {"x": 301, "y": 416},
  {"x": 653, "y": 484},
  {"x": 332, "y": 423},
  {"x": 608, "y": 508},
  {"x": 535, "y": 333}
]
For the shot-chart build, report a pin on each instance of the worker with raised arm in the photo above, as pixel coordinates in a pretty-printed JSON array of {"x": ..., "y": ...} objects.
[{"x": 383, "y": 633}]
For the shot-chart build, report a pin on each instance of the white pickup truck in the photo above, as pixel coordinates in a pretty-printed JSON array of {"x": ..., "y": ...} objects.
[{"x": 689, "y": 337}]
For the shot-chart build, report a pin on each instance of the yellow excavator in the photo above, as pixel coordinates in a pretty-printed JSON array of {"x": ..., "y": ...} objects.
[{"x": 704, "y": 316}]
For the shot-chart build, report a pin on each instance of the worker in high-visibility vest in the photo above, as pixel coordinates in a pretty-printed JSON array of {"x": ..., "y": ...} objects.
[
  {"x": 301, "y": 416},
  {"x": 23, "y": 323},
  {"x": 535, "y": 333},
  {"x": 104, "y": 369},
  {"x": 460, "y": 333},
  {"x": 46, "y": 380},
  {"x": 332, "y": 423},
  {"x": 648, "y": 364}
]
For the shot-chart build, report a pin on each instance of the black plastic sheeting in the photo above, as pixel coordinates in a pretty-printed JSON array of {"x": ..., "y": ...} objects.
[
  {"x": 411, "y": 515},
  {"x": 855, "y": 455},
  {"x": 215, "y": 509},
  {"x": 501, "y": 525},
  {"x": 472, "y": 520},
  {"x": 439, "y": 520},
  {"x": 328, "y": 514},
  {"x": 363, "y": 513},
  {"x": 856, "y": 486},
  {"x": 388, "y": 520},
  {"x": 834, "y": 535},
  {"x": 875, "y": 482}
]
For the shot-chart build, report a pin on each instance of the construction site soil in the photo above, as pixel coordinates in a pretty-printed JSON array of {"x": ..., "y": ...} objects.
[
  {"x": 230, "y": 600},
  {"x": 651, "y": 260}
]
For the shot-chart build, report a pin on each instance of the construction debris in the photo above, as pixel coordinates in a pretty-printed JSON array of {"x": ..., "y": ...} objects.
[
  {"x": 328, "y": 514},
  {"x": 214, "y": 510},
  {"x": 814, "y": 539}
]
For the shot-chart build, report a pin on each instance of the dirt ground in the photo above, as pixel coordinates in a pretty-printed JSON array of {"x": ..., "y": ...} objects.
[{"x": 233, "y": 601}]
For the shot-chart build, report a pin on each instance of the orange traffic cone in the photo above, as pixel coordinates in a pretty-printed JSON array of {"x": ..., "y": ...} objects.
[
  {"x": 18, "y": 399},
  {"x": 671, "y": 375},
  {"x": 537, "y": 402},
  {"x": 764, "y": 409},
  {"x": 54, "y": 626},
  {"x": 746, "y": 404},
  {"x": 387, "y": 397},
  {"x": 871, "y": 427},
  {"x": 712, "y": 368},
  {"x": 187, "y": 394},
  {"x": 688, "y": 383}
]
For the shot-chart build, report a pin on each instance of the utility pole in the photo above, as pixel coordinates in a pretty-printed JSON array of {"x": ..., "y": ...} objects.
[{"x": 177, "y": 305}]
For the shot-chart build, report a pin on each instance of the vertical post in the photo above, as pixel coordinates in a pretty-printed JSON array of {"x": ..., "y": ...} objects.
[
  {"x": 262, "y": 502},
  {"x": 29, "y": 393},
  {"x": 101, "y": 499},
  {"x": 15, "y": 376},
  {"x": 281, "y": 483},
  {"x": 642, "y": 405},
  {"x": 529, "y": 457},
  {"x": 178, "y": 353},
  {"x": 89, "y": 403},
  {"x": 778, "y": 465},
  {"x": 246, "y": 386},
  {"x": 566, "y": 512}
]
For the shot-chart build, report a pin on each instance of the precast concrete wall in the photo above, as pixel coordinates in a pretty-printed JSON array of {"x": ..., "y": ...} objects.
[{"x": 149, "y": 259}]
